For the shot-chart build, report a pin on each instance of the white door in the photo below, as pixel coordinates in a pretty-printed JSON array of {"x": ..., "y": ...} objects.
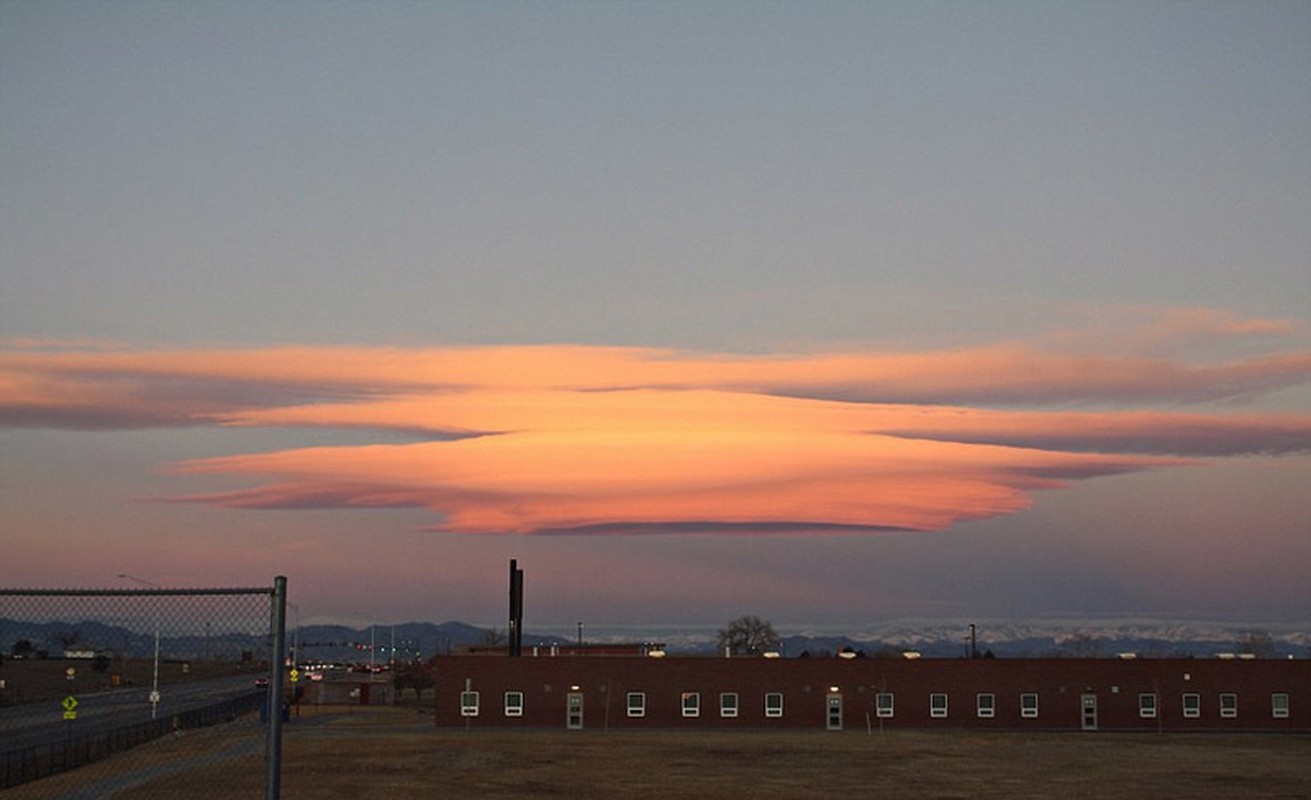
[
  {"x": 574, "y": 714},
  {"x": 1089, "y": 721},
  {"x": 834, "y": 719}
]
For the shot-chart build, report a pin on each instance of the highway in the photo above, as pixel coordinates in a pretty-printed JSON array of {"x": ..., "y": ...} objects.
[{"x": 37, "y": 724}]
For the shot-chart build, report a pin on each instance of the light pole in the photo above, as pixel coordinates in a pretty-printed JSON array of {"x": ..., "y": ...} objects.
[
  {"x": 295, "y": 634},
  {"x": 154, "y": 680}
]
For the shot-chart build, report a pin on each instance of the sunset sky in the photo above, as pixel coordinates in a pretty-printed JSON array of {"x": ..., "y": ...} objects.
[{"x": 825, "y": 312}]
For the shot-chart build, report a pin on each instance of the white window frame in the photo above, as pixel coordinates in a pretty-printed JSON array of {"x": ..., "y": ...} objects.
[
  {"x": 885, "y": 710},
  {"x": 1279, "y": 705},
  {"x": 1228, "y": 705},
  {"x": 514, "y": 709},
  {"x": 988, "y": 710},
  {"x": 1029, "y": 705},
  {"x": 691, "y": 704},
  {"x": 934, "y": 711},
  {"x": 777, "y": 710},
  {"x": 1196, "y": 701},
  {"x": 636, "y": 703},
  {"x": 1147, "y": 705},
  {"x": 725, "y": 709},
  {"x": 469, "y": 704}
]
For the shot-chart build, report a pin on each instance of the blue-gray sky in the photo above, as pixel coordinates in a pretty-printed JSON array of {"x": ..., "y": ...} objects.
[{"x": 1094, "y": 208}]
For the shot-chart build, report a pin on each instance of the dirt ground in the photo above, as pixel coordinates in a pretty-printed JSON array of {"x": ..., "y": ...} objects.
[{"x": 334, "y": 753}]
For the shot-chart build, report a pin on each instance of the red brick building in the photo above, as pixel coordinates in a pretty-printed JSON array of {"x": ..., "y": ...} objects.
[{"x": 636, "y": 692}]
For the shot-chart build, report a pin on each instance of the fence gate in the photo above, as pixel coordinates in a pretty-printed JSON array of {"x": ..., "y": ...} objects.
[{"x": 89, "y": 675}]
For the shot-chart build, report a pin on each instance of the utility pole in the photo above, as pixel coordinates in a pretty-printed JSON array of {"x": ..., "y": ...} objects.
[{"x": 154, "y": 681}]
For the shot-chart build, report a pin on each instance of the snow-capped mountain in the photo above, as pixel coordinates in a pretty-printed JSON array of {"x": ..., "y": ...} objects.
[{"x": 1041, "y": 637}]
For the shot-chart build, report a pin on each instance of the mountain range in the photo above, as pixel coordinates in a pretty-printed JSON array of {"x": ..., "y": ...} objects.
[{"x": 931, "y": 638}]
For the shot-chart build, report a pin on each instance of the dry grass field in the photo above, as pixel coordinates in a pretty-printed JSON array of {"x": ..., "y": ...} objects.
[{"x": 398, "y": 753}]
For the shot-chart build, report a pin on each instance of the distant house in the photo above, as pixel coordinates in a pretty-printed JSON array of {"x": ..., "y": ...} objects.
[
  {"x": 1091, "y": 694},
  {"x": 84, "y": 655},
  {"x": 349, "y": 688}
]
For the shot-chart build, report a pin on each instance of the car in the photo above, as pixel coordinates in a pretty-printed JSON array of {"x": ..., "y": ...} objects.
[{"x": 262, "y": 682}]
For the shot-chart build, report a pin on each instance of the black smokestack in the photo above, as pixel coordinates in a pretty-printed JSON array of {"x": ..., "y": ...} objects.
[{"x": 516, "y": 609}]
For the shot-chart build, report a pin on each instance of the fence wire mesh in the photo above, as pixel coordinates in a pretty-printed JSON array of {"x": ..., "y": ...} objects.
[{"x": 108, "y": 693}]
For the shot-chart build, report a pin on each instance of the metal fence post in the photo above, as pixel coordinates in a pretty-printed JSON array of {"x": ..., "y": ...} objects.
[{"x": 273, "y": 786}]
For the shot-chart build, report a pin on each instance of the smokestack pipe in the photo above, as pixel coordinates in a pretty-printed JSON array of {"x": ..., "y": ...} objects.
[
  {"x": 515, "y": 628},
  {"x": 518, "y": 612}
]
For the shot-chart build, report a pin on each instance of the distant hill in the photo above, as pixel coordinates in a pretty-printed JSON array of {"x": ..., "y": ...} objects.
[
  {"x": 424, "y": 639},
  {"x": 316, "y": 642},
  {"x": 932, "y": 639}
]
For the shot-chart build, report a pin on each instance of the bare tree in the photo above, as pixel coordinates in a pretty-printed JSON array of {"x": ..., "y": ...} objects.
[
  {"x": 416, "y": 674},
  {"x": 748, "y": 635}
]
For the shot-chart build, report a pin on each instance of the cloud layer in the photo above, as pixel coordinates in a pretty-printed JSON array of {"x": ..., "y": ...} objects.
[{"x": 591, "y": 440}]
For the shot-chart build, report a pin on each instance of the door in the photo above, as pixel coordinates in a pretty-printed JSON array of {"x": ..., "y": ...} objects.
[
  {"x": 834, "y": 718},
  {"x": 574, "y": 711},
  {"x": 1089, "y": 721}
]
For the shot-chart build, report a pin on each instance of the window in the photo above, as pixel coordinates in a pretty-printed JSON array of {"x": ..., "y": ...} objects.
[
  {"x": 938, "y": 705},
  {"x": 514, "y": 704},
  {"x": 1147, "y": 705},
  {"x": 1029, "y": 705},
  {"x": 987, "y": 705},
  {"x": 1279, "y": 705},
  {"x": 1229, "y": 705},
  {"x": 774, "y": 704},
  {"x": 1192, "y": 705},
  {"x": 728, "y": 704},
  {"x": 691, "y": 704},
  {"x": 468, "y": 704},
  {"x": 883, "y": 703},
  {"x": 637, "y": 704}
]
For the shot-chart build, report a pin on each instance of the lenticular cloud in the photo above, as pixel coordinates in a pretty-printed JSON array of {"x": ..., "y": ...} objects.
[{"x": 596, "y": 440}]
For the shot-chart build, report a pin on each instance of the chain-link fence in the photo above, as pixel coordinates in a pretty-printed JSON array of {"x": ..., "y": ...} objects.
[{"x": 105, "y": 692}]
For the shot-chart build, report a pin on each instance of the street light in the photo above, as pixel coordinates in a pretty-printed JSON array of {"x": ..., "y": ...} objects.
[
  {"x": 154, "y": 681},
  {"x": 295, "y": 634}
]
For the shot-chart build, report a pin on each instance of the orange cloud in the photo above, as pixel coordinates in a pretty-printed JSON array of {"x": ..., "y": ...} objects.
[
  {"x": 582, "y": 477},
  {"x": 572, "y": 439}
]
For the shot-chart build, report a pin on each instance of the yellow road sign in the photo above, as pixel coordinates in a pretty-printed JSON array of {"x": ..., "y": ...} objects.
[
  {"x": 70, "y": 715},
  {"x": 295, "y": 675},
  {"x": 70, "y": 704}
]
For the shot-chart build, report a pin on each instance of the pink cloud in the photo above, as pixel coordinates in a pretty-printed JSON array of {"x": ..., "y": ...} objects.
[
  {"x": 573, "y": 439},
  {"x": 1212, "y": 323},
  {"x": 1116, "y": 432},
  {"x": 524, "y": 483}
]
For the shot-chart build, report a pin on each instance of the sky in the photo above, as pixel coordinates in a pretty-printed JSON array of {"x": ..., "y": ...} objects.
[{"x": 826, "y": 312}]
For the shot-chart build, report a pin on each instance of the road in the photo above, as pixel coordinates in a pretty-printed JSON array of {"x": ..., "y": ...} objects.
[{"x": 43, "y": 723}]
